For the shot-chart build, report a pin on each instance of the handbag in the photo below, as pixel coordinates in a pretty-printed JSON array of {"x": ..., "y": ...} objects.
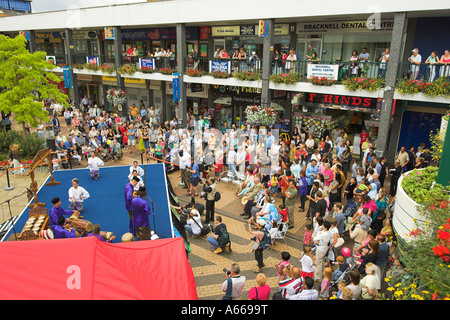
[
  {"x": 204, "y": 229},
  {"x": 227, "y": 295}
]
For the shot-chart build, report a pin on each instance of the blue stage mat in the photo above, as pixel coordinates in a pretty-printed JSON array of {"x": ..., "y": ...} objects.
[{"x": 106, "y": 205}]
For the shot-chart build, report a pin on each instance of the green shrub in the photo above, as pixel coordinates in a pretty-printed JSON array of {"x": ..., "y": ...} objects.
[{"x": 7, "y": 139}]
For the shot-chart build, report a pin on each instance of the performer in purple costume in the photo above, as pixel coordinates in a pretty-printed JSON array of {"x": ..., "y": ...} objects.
[
  {"x": 128, "y": 192},
  {"x": 141, "y": 211}
]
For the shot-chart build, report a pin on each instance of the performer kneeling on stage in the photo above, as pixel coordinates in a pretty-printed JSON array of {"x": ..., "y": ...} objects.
[
  {"x": 101, "y": 235},
  {"x": 60, "y": 232},
  {"x": 141, "y": 211},
  {"x": 56, "y": 211}
]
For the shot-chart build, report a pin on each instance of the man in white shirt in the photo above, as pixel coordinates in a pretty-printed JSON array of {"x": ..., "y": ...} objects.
[
  {"x": 237, "y": 282},
  {"x": 384, "y": 59},
  {"x": 416, "y": 60},
  {"x": 231, "y": 162},
  {"x": 308, "y": 293},
  {"x": 290, "y": 282},
  {"x": 240, "y": 161},
  {"x": 194, "y": 224},
  {"x": 140, "y": 171}
]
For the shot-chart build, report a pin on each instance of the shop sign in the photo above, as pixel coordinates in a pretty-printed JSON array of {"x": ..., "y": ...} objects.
[
  {"x": 220, "y": 66},
  {"x": 328, "y": 71},
  {"x": 176, "y": 89},
  {"x": 226, "y": 31},
  {"x": 203, "y": 33},
  {"x": 262, "y": 30},
  {"x": 67, "y": 77},
  {"x": 348, "y": 101},
  {"x": 86, "y": 77},
  {"x": 93, "y": 60},
  {"x": 247, "y": 30},
  {"x": 385, "y": 26},
  {"x": 135, "y": 81},
  {"x": 47, "y": 35},
  {"x": 157, "y": 34},
  {"x": 146, "y": 63},
  {"x": 110, "y": 33}
]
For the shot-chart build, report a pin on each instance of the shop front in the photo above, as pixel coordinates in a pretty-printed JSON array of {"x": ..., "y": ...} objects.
[
  {"x": 336, "y": 40},
  {"x": 90, "y": 86},
  {"x": 230, "y": 103},
  {"x": 197, "y": 99},
  {"x": 86, "y": 44},
  {"x": 147, "y": 40},
  {"x": 314, "y": 110},
  {"x": 232, "y": 38},
  {"x": 52, "y": 44}
]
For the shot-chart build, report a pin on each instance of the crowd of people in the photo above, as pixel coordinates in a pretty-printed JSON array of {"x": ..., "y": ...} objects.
[{"x": 314, "y": 177}]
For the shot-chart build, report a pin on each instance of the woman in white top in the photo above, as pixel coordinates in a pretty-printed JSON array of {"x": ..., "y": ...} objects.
[
  {"x": 354, "y": 67},
  {"x": 309, "y": 143},
  {"x": 77, "y": 195}
]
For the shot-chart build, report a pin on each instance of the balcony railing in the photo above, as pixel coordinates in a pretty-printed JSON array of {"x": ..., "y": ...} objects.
[
  {"x": 224, "y": 65},
  {"x": 425, "y": 71}
]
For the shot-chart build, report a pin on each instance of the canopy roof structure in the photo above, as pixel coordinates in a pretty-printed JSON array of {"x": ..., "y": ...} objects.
[{"x": 89, "y": 269}]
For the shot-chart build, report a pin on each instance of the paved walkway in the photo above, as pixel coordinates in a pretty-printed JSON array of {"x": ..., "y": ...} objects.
[{"x": 206, "y": 265}]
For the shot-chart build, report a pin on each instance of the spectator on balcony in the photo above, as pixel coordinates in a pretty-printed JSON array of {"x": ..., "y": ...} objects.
[
  {"x": 354, "y": 66},
  {"x": 242, "y": 59},
  {"x": 290, "y": 64},
  {"x": 363, "y": 59},
  {"x": 314, "y": 58},
  {"x": 129, "y": 53},
  {"x": 224, "y": 54},
  {"x": 255, "y": 63},
  {"x": 311, "y": 50},
  {"x": 384, "y": 60},
  {"x": 277, "y": 62},
  {"x": 432, "y": 61},
  {"x": 445, "y": 64},
  {"x": 218, "y": 53},
  {"x": 416, "y": 60},
  {"x": 235, "y": 58}
]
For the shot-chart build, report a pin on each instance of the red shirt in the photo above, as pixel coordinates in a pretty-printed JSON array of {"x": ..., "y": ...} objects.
[
  {"x": 263, "y": 292},
  {"x": 363, "y": 137}
]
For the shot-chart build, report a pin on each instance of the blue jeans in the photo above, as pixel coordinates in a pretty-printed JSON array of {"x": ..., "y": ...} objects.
[
  {"x": 213, "y": 242},
  {"x": 232, "y": 167},
  {"x": 189, "y": 229}
]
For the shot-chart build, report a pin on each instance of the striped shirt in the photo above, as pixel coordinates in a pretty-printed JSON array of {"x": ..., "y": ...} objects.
[{"x": 289, "y": 287}]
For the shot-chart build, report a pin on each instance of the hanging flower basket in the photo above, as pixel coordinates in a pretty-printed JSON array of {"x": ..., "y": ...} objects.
[
  {"x": 116, "y": 96},
  {"x": 258, "y": 116}
]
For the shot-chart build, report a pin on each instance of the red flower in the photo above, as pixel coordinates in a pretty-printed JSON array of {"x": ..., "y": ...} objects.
[
  {"x": 440, "y": 250},
  {"x": 443, "y": 235},
  {"x": 434, "y": 295}
]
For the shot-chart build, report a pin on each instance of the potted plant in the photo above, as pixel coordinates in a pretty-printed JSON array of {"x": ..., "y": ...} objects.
[
  {"x": 147, "y": 70},
  {"x": 167, "y": 71},
  {"x": 286, "y": 78},
  {"x": 107, "y": 68},
  {"x": 368, "y": 84},
  {"x": 116, "y": 96},
  {"x": 247, "y": 75},
  {"x": 194, "y": 72},
  {"x": 258, "y": 116},
  {"x": 127, "y": 69},
  {"x": 321, "y": 81},
  {"x": 220, "y": 75}
]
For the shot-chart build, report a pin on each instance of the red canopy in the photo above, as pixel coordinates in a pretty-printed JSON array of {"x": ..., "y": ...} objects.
[{"x": 87, "y": 268}]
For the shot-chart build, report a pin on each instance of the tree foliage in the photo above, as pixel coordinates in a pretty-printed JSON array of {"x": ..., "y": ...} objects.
[{"x": 24, "y": 80}]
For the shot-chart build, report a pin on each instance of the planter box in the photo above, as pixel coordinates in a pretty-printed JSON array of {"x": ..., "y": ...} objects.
[
  {"x": 404, "y": 212},
  {"x": 149, "y": 76},
  {"x": 94, "y": 73},
  {"x": 223, "y": 82},
  {"x": 335, "y": 89},
  {"x": 421, "y": 97}
]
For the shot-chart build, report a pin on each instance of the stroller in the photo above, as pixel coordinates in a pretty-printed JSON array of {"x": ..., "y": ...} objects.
[
  {"x": 344, "y": 276},
  {"x": 349, "y": 211}
]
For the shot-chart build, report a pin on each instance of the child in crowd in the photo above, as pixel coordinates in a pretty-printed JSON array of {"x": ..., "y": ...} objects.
[
  {"x": 307, "y": 237},
  {"x": 283, "y": 212},
  {"x": 343, "y": 265},
  {"x": 341, "y": 287},
  {"x": 307, "y": 262},
  {"x": 349, "y": 190},
  {"x": 326, "y": 282},
  {"x": 285, "y": 257},
  {"x": 274, "y": 185}
]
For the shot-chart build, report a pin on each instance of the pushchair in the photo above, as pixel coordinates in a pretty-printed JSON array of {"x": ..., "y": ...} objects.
[
  {"x": 344, "y": 276},
  {"x": 349, "y": 211}
]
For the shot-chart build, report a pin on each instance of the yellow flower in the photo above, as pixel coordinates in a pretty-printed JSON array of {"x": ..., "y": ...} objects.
[
  {"x": 425, "y": 292},
  {"x": 398, "y": 284},
  {"x": 398, "y": 293},
  {"x": 390, "y": 289},
  {"x": 386, "y": 279}
]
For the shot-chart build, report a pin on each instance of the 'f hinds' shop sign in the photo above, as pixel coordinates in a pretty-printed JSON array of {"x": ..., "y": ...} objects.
[{"x": 348, "y": 101}]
